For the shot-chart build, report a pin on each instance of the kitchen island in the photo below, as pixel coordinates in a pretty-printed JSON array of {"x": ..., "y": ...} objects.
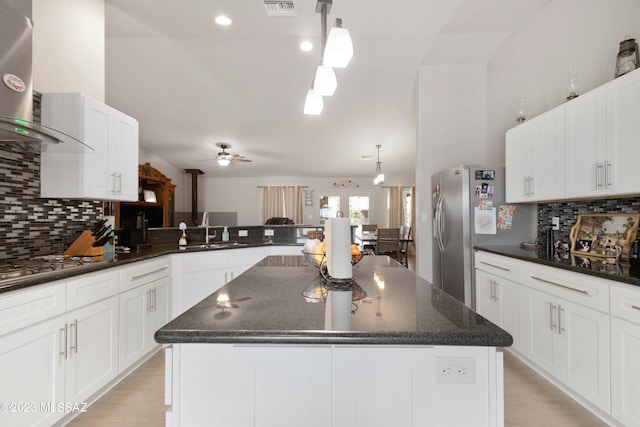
[{"x": 279, "y": 346}]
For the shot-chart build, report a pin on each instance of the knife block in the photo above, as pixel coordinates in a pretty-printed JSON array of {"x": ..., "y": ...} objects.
[{"x": 83, "y": 246}]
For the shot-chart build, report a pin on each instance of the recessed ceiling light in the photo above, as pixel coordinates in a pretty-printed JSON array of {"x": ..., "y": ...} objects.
[
  {"x": 306, "y": 46},
  {"x": 223, "y": 20}
]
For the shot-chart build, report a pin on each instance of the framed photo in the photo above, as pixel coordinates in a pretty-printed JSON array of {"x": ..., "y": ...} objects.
[{"x": 594, "y": 233}]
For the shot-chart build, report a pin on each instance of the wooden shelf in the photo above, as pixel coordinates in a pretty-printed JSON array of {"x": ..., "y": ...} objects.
[{"x": 149, "y": 178}]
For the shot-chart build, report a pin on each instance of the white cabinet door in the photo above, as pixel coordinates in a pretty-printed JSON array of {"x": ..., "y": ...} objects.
[
  {"x": 535, "y": 159},
  {"x": 92, "y": 349},
  {"x": 510, "y": 305},
  {"x": 281, "y": 386},
  {"x": 623, "y": 134},
  {"x": 502, "y": 302},
  {"x": 160, "y": 300},
  {"x": 542, "y": 327},
  {"x": 134, "y": 309},
  {"x": 625, "y": 372},
  {"x": 485, "y": 304},
  {"x": 124, "y": 152},
  {"x": 518, "y": 171},
  {"x": 32, "y": 369},
  {"x": 548, "y": 156},
  {"x": 585, "y": 144},
  {"x": 583, "y": 343}
]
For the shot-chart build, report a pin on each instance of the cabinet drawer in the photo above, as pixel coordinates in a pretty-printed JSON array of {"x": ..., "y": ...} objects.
[
  {"x": 576, "y": 287},
  {"x": 501, "y": 266},
  {"x": 143, "y": 272},
  {"x": 28, "y": 306},
  {"x": 90, "y": 288},
  {"x": 625, "y": 302}
]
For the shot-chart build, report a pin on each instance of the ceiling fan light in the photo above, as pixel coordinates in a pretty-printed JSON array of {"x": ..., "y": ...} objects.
[
  {"x": 325, "y": 82},
  {"x": 224, "y": 162},
  {"x": 313, "y": 104},
  {"x": 339, "y": 48}
]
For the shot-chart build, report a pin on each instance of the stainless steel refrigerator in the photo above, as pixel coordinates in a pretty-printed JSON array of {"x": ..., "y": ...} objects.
[{"x": 466, "y": 203}]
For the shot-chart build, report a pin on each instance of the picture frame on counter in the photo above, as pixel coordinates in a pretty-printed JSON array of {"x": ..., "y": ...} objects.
[{"x": 604, "y": 235}]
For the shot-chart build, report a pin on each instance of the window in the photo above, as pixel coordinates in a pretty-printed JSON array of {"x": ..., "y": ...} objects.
[{"x": 358, "y": 206}]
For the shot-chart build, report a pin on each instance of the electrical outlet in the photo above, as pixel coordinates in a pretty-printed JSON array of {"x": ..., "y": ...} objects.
[
  {"x": 268, "y": 232},
  {"x": 243, "y": 233},
  {"x": 555, "y": 223},
  {"x": 455, "y": 370}
]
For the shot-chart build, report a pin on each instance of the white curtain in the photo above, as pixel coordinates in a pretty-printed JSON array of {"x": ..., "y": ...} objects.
[
  {"x": 396, "y": 207},
  {"x": 282, "y": 201}
]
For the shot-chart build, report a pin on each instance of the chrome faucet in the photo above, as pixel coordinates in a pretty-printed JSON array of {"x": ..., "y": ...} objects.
[{"x": 205, "y": 224}]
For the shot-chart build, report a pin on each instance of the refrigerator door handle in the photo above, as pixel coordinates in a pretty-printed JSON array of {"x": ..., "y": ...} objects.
[{"x": 440, "y": 224}]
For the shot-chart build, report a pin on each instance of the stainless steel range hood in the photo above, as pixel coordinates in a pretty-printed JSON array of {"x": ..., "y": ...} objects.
[{"x": 16, "y": 89}]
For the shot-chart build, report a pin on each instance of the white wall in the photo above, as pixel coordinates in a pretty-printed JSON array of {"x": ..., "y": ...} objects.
[
  {"x": 242, "y": 195},
  {"x": 451, "y": 131},
  {"x": 68, "y": 48},
  {"x": 533, "y": 62}
]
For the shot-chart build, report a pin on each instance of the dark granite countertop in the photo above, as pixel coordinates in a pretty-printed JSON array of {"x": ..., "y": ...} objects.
[
  {"x": 620, "y": 272},
  {"x": 118, "y": 260},
  {"x": 278, "y": 302}
]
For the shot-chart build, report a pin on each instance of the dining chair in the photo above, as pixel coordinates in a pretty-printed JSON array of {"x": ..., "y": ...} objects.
[
  {"x": 388, "y": 242},
  {"x": 369, "y": 248},
  {"x": 403, "y": 248}
]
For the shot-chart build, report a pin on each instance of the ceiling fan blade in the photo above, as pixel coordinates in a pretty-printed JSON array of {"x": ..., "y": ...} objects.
[{"x": 241, "y": 159}]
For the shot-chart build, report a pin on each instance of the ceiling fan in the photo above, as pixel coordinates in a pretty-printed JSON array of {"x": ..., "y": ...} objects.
[{"x": 224, "y": 158}]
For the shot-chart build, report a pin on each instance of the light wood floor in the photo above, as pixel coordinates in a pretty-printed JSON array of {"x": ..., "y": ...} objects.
[{"x": 530, "y": 400}]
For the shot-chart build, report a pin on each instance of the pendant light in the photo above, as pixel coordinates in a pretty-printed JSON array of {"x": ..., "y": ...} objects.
[
  {"x": 338, "y": 50},
  {"x": 379, "y": 179}
]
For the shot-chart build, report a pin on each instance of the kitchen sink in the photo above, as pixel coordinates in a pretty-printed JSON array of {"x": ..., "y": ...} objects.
[{"x": 224, "y": 245}]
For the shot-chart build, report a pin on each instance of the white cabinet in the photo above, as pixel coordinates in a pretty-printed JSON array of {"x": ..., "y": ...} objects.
[
  {"x": 199, "y": 274},
  {"x": 571, "y": 342},
  {"x": 535, "y": 159},
  {"x": 586, "y": 145},
  {"x": 502, "y": 302},
  {"x": 623, "y": 132},
  {"x": 32, "y": 368},
  {"x": 625, "y": 354},
  {"x": 143, "y": 310},
  {"x": 92, "y": 352},
  {"x": 110, "y": 172}
]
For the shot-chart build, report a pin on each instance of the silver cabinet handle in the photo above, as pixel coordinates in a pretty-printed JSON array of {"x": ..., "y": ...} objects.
[
  {"x": 74, "y": 344},
  {"x": 495, "y": 291},
  {"x": 63, "y": 332},
  {"x": 119, "y": 187},
  {"x": 582, "y": 291},
  {"x": 526, "y": 185},
  {"x": 491, "y": 282},
  {"x": 113, "y": 175},
  {"x": 148, "y": 301},
  {"x": 636, "y": 307},
  {"x": 532, "y": 186},
  {"x": 154, "y": 298},
  {"x": 598, "y": 166},
  {"x": 495, "y": 266},
  {"x": 560, "y": 328},
  {"x": 607, "y": 174},
  {"x": 552, "y": 325},
  {"x": 147, "y": 273}
]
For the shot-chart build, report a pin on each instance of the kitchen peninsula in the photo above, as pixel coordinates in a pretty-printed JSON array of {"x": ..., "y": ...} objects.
[{"x": 277, "y": 346}]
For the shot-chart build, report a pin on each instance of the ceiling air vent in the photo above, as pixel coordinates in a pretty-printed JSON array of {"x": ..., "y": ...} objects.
[{"x": 280, "y": 8}]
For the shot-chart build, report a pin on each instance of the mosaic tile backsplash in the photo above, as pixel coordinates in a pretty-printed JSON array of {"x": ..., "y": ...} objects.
[
  {"x": 568, "y": 213},
  {"x": 29, "y": 225}
]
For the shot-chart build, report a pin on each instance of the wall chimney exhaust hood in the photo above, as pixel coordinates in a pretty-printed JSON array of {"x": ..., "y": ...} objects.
[{"x": 17, "y": 125}]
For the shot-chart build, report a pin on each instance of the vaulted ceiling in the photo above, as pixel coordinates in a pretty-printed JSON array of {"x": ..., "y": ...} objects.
[{"x": 192, "y": 83}]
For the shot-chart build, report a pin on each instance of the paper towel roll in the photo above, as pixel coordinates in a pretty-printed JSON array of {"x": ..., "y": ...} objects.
[{"x": 338, "y": 247}]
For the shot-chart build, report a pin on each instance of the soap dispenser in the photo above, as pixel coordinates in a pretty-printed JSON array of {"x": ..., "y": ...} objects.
[
  {"x": 182, "y": 242},
  {"x": 225, "y": 234}
]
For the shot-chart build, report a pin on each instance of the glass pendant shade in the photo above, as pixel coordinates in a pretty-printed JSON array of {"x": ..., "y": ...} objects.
[
  {"x": 313, "y": 104},
  {"x": 224, "y": 162},
  {"x": 325, "y": 82},
  {"x": 339, "y": 48},
  {"x": 379, "y": 179}
]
